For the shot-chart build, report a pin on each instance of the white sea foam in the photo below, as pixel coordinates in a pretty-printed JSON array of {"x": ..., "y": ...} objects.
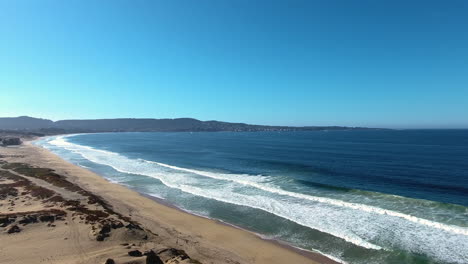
[
  {"x": 332, "y": 257},
  {"x": 60, "y": 141},
  {"x": 125, "y": 165},
  {"x": 367, "y": 208},
  {"x": 83, "y": 166},
  {"x": 353, "y": 222}
]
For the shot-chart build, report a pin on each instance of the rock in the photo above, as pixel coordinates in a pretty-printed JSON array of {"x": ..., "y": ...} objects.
[
  {"x": 101, "y": 237},
  {"x": 152, "y": 258},
  {"x": 133, "y": 226},
  {"x": 14, "y": 229},
  {"x": 105, "y": 229},
  {"x": 104, "y": 232},
  {"x": 4, "y": 221},
  {"x": 117, "y": 224},
  {"x": 110, "y": 261},
  {"x": 28, "y": 219},
  {"x": 47, "y": 218},
  {"x": 135, "y": 253},
  {"x": 170, "y": 253}
]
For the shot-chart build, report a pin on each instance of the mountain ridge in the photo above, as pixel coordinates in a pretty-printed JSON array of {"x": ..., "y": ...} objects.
[{"x": 26, "y": 123}]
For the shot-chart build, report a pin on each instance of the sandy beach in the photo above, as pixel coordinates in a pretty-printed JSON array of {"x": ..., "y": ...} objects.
[{"x": 94, "y": 220}]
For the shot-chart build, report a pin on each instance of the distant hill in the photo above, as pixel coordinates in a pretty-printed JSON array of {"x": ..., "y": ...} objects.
[
  {"x": 24, "y": 123},
  {"x": 45, "y": 126}
]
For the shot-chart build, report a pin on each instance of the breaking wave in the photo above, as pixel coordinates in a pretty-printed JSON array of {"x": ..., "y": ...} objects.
[{"x": 363, "y": 225}]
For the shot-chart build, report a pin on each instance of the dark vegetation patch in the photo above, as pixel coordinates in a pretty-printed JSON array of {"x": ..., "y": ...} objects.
[
  {"x": 28, "y": 219},
  {"x": 170, "y": 253},
  {"x": 25, "y": 218},
  {"x": 9, "y": 189},
  {"x": 10, "y": 221},
  {"x": 152, "y": 258},
  {"x": 13, "y": 229},
  {"x": 55, "y": 179},
  {"x": 135, "y": 253},
  {"x": 19, "y": 181},
  {"x": 31, "y": 188},
  {"x": 110, "y": 261},
  {"x": 44, "y": 174},
  {"x": 6, "y": 191},
  {"x": 39, "y": 192},
  {"x": 6, "y": 220},
  {"x": 175, "y": 255},
  {"x": 90, "y": 216},
  {"x": 9, "y": 156},
  {"x": 56, "y": 199},
  {"x": 56, "y": 212}
]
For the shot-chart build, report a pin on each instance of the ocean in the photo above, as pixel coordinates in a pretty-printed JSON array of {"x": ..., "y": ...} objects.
[{"x": 364, "y": 196}]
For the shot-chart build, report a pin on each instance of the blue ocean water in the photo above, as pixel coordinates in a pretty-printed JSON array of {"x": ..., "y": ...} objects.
[{"x": 370, "y": 196}]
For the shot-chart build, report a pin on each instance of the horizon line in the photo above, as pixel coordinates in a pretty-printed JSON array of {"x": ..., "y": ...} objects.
[{"x": 211, "y": 120}]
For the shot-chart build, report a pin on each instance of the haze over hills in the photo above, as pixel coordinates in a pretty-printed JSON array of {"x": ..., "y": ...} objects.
[{"x": 31, "y": 124}]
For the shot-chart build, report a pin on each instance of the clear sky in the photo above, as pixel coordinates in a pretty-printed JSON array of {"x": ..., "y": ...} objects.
[{"x": 400, "y": 64}]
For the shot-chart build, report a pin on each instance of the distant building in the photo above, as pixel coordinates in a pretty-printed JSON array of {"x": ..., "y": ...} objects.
[{"x": 9, "y": 141}]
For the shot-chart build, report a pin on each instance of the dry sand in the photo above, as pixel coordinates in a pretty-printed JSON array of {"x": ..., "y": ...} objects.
[{"x": 73, "y": 239}]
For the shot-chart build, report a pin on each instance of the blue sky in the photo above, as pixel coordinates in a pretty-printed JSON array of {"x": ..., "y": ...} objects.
[{"x": 401, "y": 64}]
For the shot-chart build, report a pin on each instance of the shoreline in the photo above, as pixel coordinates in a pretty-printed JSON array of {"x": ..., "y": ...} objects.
[
  {"x": 224, "y": 240},
  {"x": 314, "y": 256}
]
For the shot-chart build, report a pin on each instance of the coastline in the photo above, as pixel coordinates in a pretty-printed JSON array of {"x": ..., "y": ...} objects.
[
  {"x": 314, "y": 256},
  {"x": 207, "y": 240}
]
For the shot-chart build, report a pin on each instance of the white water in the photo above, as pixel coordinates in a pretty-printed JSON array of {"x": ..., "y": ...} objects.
[{"x": 363, "y": 225}]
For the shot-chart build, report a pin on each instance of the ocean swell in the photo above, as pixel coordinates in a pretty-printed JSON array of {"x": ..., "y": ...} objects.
[{"x": 366, "y": 226}]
